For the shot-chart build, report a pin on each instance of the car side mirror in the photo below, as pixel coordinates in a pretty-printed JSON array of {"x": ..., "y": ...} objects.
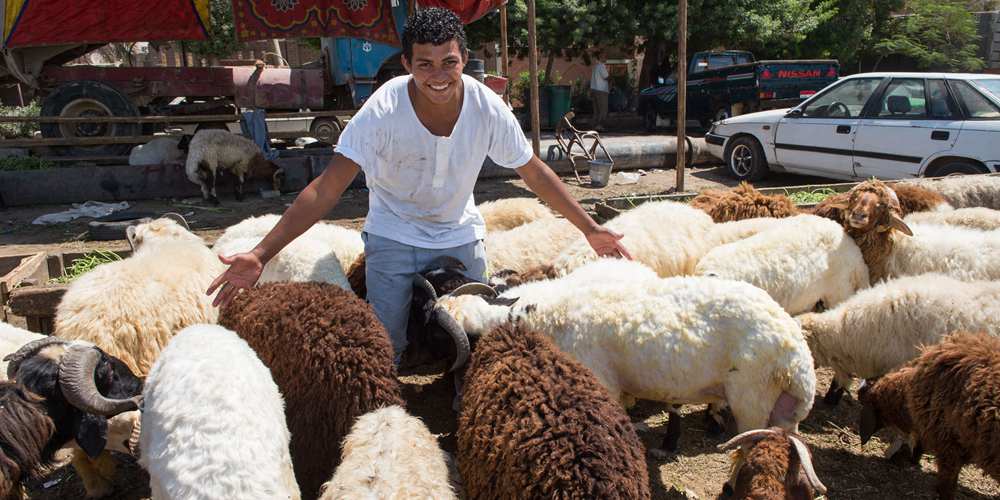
[{"x": 794, "y": 113}]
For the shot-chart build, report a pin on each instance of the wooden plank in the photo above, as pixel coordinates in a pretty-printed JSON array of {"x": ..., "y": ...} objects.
[
  {"x": 38, "y": 301},
  {"x": 167, "y": 118},
  {"x": 30, "y": 267},
  {"x": 77, "y": 141}
]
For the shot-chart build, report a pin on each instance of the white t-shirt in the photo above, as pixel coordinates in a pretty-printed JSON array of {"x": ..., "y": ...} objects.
[
  {"x": 599, "y": 77},
  {"x": 420, "y": 185}
]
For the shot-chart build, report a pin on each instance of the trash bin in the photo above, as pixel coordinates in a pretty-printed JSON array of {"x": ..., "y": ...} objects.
[
  {"x": 600, "y": 172},
  {"x": 559, "y": 103}
]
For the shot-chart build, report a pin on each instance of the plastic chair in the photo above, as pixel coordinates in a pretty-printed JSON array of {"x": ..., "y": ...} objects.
[{"x": 569, "y": 138}]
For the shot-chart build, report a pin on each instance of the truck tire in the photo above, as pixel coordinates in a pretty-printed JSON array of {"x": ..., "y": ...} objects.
[
  {"x": 89, "y": 98},
  {"x": 326, "y": 129},
  {"x": 745, "y": 159}
]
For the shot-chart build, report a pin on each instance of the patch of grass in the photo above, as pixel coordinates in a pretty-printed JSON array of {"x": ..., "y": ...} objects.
[
  {"x": 24, "y": 129},
  {"x": 814, "y": 196},
  {"x": 85, "y": 264},
  {"x": 15, "y": 163}
]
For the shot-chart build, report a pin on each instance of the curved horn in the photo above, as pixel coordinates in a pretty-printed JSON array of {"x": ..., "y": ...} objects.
[
  {"x": 15, "y": 358},
  {"x": 475, "y": 288},
  {"x": 130, "y": 237},
  {"x": 753, "y": 435},
  {"x": 133, "y": 438},
  {"x": 806, "y": 459},
  {"x": 177, "y": 217},
  {"x": 462, "y": 346},
  {"x": 421, "y": 282},
  {"x": 76, "y": 379}
]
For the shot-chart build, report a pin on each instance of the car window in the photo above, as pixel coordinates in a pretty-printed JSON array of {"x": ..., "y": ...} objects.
[
  {"x": 719, "y": 61},
  {"x": 975, "y": 103},
  {"x": 940, "y": 107},
  {"x": 904, "y": 98},
  {"x": 992, "y": 85},
  {"x": 844, "y": 101}
]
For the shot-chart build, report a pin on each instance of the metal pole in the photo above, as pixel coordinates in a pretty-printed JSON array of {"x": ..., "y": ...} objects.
[
  {"x": 536, "y": 132},
  {"x": 504, "y": 61},
  {"x": 681, "y": 92}
]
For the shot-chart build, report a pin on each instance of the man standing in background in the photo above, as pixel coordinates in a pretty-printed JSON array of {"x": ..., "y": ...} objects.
[{"x": 599, "y": 90}]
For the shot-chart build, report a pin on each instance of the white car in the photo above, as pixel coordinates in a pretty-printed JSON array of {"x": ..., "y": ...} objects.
[{"x": 885, "y": 125}]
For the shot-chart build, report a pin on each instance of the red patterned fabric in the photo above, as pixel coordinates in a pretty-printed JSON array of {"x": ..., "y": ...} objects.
[
  {"x": 468, "y": 10},
  {"x": 263, "y": 19}
]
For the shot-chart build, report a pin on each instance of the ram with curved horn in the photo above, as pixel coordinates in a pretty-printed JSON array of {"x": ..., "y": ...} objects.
[{"x": 772, "y": 463}]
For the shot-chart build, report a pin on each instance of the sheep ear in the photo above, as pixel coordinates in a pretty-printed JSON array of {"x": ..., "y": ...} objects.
[
  {"x": 92, "y": 434},
  {"x": 896, "y": 223},
  {"x": 805, "y": 458},
  {"x": 870, "y": 422}
]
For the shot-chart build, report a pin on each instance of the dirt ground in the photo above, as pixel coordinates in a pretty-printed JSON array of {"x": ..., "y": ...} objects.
[{"x": 698, "y": 470}]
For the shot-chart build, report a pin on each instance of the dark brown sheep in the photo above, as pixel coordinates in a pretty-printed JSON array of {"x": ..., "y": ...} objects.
[
  {"x": 946, "y": 400},
  {"x": 743, "y": 202},
  {"x": 356, "y": 276},
  {"x": 537, "y": 424},
  {"x": 772, "y": 464},
  {"x": 331, "y": 359},
  {"x": 25, "y": 432}
]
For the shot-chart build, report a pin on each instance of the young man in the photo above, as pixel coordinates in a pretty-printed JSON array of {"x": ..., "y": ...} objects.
[{"x": 421, "y": 140}]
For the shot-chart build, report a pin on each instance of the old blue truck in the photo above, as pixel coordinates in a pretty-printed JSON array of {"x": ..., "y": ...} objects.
[{"x": 726, "y": 83}]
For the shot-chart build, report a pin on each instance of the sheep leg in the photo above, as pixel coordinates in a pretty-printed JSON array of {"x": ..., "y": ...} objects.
[
  {"x": 239, "y": 187},
  {"x": 673, "y": 435},
  {"x": 206, "y": 174},
  {"x": 716, "y": 416},
  {"x": 97, "y": 474},
  {"x": 834, "y": 394},
  {"x": 948, "y": 469}
]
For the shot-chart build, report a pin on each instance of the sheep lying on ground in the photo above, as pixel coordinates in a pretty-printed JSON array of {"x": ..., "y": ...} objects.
[
  {"x": 963, "y": 191},
  {"x": 186, "y": 443},
  {"x": 946, "y": 399},
  {"x": 803, "y": 261},
  {"x": 11, "y": 339},
  {"x": 390, "y": 454},
  {"x": 883, "y": 327},
  {"x": 66, "y": 393},
  {"x": 984, "y": 219},
  {"x": 131, "y": 308},
  {"x": 743, "y": 202},
  {"x": 677, "y": 340},
  {"x": 508, "y": 213},
  {"x": 536, "y": 424},
  {"x": 344, "y": 242},
  {"x": 772, "y": 463},
  {"x": 331, "y": 359},
  {"x": 212, "y": 151},
  {"x": 158, "y": 151}
]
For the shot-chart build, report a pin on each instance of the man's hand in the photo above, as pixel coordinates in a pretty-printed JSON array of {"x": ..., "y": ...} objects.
[
  {"x": 607, "y": 243},
  {"x": 244, "y": 270}
]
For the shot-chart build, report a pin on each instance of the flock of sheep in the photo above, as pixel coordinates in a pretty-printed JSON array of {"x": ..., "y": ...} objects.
[{"x": 290, "y": 391}]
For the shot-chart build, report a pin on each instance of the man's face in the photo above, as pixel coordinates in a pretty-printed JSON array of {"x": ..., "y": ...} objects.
[{"x": 437, "y": 70}]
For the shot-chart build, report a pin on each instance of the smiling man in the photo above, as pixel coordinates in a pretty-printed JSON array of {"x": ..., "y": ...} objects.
[{"x": 421, "y": 140}]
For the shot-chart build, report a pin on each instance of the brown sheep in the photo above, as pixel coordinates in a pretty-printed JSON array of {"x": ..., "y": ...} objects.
[
  {"x": 869, "y": 212},
  {"x": 537, "y": 424},
  {"x": 772, "y": 464},
  {"x": 946, "y": 401},
  {"x": 330, "y": 357},
  {"x": 913, "y": 198},
  {"x": 25, "y": 437},
  {"x": 356, "y": 276},
  {"x": 743, "y": 202}
]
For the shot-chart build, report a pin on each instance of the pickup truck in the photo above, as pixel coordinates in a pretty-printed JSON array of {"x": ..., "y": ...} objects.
[{"x": 727, "y": 83}]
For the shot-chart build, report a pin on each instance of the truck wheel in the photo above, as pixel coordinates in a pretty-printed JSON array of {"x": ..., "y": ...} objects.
[
  {"x": 89, "y": 98},
  {"x": 326, "y": 130},
  {"x": 745, "y": 159}
]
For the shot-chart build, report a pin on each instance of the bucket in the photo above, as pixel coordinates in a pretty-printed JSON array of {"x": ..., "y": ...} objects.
[{"x": 600, "y": 172}]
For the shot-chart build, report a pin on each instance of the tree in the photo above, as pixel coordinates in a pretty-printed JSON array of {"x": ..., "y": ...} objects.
[
  {"x": 851, "y": 35},
  {"x": 937, "y": 35},
  {"x": 221, "y": 33}
]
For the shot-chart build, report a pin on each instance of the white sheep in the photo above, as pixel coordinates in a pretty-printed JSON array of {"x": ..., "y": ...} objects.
[
  {"x": 728, "y": 232},
  {"x": 800, "y": 262},
  {"x": 963, "y": 253},
  {"x": 964, "y": 191},
  {"x": 529, "y": 246},
  {"x": 390, "y": 454},
  {"x": 984, "y": 219},
  {"x": 213, "y": 422},
  {"x": 212, "y": 151},
  {"x": 158, "y": 151},
  {"x": 508, "y": 213},
  {"x": 131, "y": 308},
  {"x": 11, "y": 339},
  {"x": 883, "y": 327},
  {"x": 678, "y": 340},
  {"x": 346, "y": 243},
  {"x": 304, "y": 259}
]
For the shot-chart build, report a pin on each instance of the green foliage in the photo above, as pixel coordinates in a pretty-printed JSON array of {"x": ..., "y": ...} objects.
[
  {"x": 937, "y": 35},
  {"x": 19, "y": 163},
  {"x": 807, "y": 197},
  {"x": 85, "y": 264},
  {"x": 24, "y": 129},
  {"x": 221, "y": 33}
]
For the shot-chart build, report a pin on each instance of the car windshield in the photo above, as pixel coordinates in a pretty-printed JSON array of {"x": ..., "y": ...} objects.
[{"x": 991, "y": 84}]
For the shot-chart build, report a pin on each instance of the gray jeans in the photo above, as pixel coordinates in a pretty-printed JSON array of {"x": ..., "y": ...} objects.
[{"x": 389, "y": 269}]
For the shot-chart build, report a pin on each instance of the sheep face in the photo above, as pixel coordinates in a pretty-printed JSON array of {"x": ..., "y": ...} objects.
[
  {"x": 873, "y": 206},
  {"x": 883, "y": 404},
  {"x": 769, "y": 461},
  {"x": 159, "y": 230}
]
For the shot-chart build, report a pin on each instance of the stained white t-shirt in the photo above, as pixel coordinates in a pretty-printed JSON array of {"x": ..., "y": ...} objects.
[{"x": 420, "y": 185}]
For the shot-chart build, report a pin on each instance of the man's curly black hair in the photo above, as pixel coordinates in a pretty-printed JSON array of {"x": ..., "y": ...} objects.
[{"x": 435, "y": 26}]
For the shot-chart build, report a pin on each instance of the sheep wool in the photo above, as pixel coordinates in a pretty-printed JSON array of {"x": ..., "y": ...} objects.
[
  {"x": 984, "y": 219},
  {"x": 537, "y": 424},
  {"x": 963, "y": 253},
  {"x": 743, "y": 202},
  {"x": 344, "y": 242},
  {"x": 529, "y": 246},
  {"x": 304, "y": 259},
  {"x": 212, "y": 151},
  {"x": 883, "y": 327},
  {"x": 330, "y": 357},
  {"x": 963, "y": 191},
  {"x": 131, "y": 308},
  {"x": 916, "y": 199},
  {"x": 508, "y": 213},
  {"x": 11, "y": 339},
  {"x": 804, "y": 261},
  {"x": 156, "y": 152},
  {"x": 390, "y": 454},
  {"x": 213, "y": 424}
]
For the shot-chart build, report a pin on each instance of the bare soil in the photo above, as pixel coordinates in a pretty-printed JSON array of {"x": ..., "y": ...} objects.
[{"x": 698, "y": 470}]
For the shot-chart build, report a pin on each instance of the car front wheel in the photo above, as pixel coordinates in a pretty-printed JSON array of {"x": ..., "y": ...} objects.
[{"x": 745, "y": 159}]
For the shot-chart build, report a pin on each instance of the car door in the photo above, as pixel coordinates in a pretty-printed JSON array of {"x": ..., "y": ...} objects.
[
  {"x": 915, "y": 119},
  {"x": 818, "y": 137}
]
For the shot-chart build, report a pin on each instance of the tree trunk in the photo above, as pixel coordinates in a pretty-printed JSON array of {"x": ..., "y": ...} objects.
[
  {"x": 548, "y": 68},
  {"x": 650, "y": 62}
]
